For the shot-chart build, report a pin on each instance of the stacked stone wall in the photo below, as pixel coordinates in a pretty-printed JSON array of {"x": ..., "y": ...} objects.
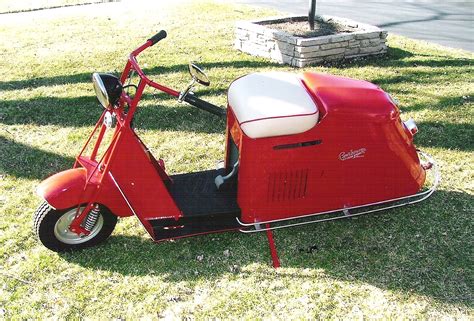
[{"x": 256, "y": 38}]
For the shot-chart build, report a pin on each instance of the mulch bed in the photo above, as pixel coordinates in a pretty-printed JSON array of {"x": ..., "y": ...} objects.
[{"x": 300, "y": 28}]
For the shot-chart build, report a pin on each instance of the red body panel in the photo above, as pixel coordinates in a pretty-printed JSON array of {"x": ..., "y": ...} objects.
[
  {"x": 360, "y": 154},
  {"x": 142, "y": 179},
  {"x": 126, "y": 179},
  {"x": 68, "y": 189},
  {"x": 134, "y": 169},
  {"x": 63, "y": 190}
]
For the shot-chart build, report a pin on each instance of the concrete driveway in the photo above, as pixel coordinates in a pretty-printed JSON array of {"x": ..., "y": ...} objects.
[{"x": 449, "y": 23}]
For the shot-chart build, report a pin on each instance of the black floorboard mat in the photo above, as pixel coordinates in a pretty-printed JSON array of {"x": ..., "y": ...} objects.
[{"x": 197, "y": 195}]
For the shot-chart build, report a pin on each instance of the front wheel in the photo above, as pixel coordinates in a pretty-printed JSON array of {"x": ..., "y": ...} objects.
[{"x": 52, "y": 228}]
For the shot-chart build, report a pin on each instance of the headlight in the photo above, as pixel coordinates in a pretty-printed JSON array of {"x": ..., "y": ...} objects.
[{"x": 107, "y": 88}]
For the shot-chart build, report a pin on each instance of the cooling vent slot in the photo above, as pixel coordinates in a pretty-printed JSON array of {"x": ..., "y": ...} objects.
[{"x": 287, "y": 185}]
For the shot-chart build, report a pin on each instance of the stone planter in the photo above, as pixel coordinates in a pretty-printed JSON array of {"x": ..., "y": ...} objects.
[{"x": 258, "y": 39}]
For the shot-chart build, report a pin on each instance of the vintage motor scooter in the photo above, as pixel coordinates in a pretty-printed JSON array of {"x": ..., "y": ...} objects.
[{"x": 297, "y": 147}]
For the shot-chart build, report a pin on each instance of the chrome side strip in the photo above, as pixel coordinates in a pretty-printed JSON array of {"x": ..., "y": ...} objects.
[
  {"x": 257, "y": 227},
  {"x": 126, "y": 201},
  {"x": 121, "y": 192}
]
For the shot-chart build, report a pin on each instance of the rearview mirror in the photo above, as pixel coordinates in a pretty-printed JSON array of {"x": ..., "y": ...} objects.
[{"x": 198, "y": 74}]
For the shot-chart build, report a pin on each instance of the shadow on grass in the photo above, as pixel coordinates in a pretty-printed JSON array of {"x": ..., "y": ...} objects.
[
  {"x": 396, "y": 57},
  {"x": 21, "y": 160},
  {"x": 443, "y": 103},
  {"x": 183, "y": 118},
  {"x": 77, "y": 111},
  {"x": 446, "y": 135},
  {"x": 423, "y": 249},
  {"x": 84, "y": 111},
  {"x": 416, "y": 76},
  {"x": 157, "y": 70}
]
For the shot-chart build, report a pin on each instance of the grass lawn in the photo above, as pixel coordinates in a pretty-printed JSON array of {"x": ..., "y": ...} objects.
[
  {"x": 415, "y": 262},
  {"x": 7, "y": 6}
]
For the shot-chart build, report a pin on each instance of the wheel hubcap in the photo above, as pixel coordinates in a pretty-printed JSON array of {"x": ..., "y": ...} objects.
[{"x": 63, "y": 234}]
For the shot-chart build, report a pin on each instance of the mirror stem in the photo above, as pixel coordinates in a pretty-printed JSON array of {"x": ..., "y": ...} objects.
[{"x": 185, "y": 92}]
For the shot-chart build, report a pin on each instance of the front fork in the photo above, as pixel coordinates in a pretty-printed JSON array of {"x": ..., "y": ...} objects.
[
  {"x": 85, "y": 220},
  {"x": 103, "y": 165},
  {"x": 89, "y": 216}
]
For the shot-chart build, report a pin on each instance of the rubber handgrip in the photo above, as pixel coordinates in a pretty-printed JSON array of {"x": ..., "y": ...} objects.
[
  {"x": 204, "y": 105},
  {"x": 160, "y": 35}
]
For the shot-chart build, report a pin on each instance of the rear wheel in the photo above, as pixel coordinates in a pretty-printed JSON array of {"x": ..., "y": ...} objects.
[{"x": 51, "y": 226}]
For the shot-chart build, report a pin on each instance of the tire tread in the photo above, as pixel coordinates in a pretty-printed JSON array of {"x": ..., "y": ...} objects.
[
  {"x": 44, "y": 220},
  {"x": 39, "y": 215}
]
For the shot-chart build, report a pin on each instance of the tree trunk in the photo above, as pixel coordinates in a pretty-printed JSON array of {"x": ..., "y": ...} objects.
[{"x": 311, "y": 13}]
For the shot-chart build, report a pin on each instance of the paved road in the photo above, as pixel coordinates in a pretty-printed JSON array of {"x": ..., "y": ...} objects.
[{"x": 449, "y": 23}]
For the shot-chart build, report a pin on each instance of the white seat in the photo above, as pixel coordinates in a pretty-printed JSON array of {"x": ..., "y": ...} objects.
[{"x": 268, "y": 104}]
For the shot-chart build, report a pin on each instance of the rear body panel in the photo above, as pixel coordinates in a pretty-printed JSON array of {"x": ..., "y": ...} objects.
[{"x": 358, "y": 153}]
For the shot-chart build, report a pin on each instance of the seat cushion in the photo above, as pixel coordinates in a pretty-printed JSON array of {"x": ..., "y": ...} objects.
[{"x": 268, "y": 104}]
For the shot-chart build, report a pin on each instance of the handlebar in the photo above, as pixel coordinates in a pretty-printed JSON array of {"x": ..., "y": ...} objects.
[
  {"x": 204, "y": 105},
  {"x": 159, "y": 36},
  {"x": 190, "y": 98}
]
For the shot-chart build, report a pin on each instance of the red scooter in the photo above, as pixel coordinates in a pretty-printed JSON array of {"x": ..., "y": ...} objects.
[{"x": 297, "y": 147}]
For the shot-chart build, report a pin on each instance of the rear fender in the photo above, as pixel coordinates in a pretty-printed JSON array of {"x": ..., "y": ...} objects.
[{"x": 68, "y": 189}]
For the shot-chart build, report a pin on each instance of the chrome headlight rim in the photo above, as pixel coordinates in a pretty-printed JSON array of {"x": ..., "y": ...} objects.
[
  {"x": 100, "y": 90},
  {"x": 108, "y": 89}
]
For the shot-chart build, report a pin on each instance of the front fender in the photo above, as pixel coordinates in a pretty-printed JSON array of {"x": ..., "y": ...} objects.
[
  {"x": 68, "y": 189},
  {"x": 63, "y": 190}
]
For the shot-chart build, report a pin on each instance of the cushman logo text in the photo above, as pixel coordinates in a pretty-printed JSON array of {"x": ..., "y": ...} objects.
[{"x": 352, "y": 154}]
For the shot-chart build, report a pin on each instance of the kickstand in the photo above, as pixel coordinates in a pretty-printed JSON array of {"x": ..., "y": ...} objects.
[{"x": 271, "y": 244}]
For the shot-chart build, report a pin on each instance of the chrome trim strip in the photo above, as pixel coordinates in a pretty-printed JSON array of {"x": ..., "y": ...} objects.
[
  {"x": 121, "y": 192},
  {"x": 424, "y": 195},
  {"x": 128, "y": 203}
]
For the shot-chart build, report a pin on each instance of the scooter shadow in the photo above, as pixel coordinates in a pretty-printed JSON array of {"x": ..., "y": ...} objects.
[
  {"x": 422, "y": 249},
  {"x": 206, "y": 257},
  {"x": 34, "y": 163}
]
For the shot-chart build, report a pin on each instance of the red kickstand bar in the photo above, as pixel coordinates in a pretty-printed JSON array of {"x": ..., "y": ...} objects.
[{"x": 273, "y": 251}]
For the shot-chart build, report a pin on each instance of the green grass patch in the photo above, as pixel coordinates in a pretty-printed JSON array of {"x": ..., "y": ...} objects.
[
  {"x": 414, "y": 262},
  {"x": 13, "y": 6}
]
